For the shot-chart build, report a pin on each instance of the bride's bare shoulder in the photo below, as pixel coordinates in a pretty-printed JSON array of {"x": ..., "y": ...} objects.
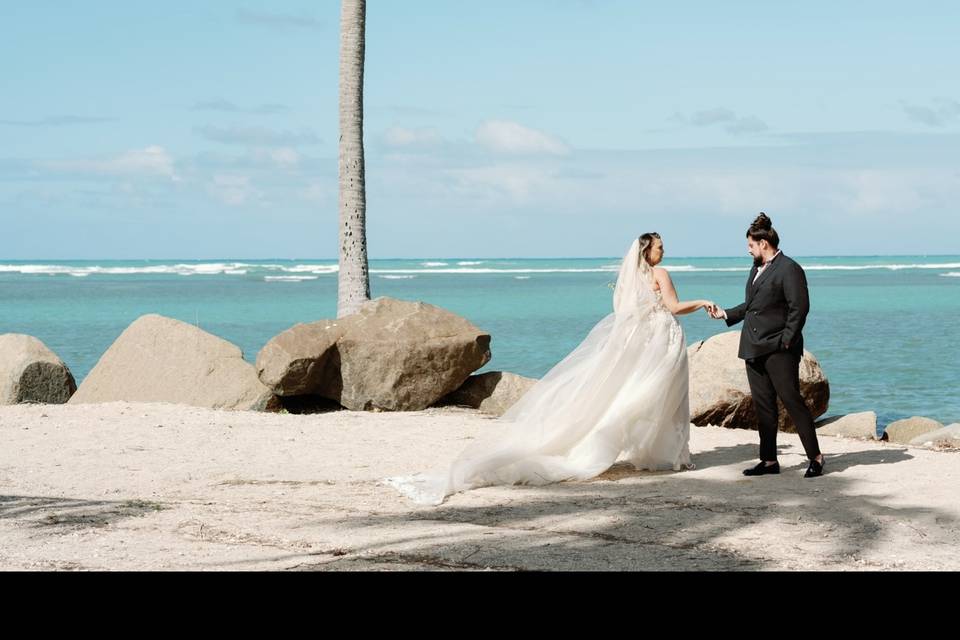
[{"x": 661, "y": 278}]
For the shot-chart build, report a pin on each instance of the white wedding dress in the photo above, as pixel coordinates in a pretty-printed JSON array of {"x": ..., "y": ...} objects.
[{"x": 622, "y": 394}]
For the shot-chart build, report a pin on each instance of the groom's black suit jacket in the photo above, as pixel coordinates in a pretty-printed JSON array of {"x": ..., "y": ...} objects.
[{"x": 775, "y": 310}]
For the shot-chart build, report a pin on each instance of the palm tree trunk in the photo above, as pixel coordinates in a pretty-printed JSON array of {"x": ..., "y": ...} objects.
[{"x": 353, "y": 284}]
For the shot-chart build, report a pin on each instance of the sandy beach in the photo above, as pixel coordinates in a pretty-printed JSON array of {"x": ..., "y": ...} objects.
[{"x": 127, "y": 486}]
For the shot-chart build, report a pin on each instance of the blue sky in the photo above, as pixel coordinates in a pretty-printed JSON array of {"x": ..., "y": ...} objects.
[{"x": 527, "y": 128}]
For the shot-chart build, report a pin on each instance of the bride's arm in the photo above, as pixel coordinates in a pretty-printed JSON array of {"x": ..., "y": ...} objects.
[{"x": 669, "y": 295}]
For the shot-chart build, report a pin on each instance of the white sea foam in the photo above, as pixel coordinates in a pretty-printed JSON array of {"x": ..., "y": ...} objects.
[
  {"x": 212, "y": 268},
  {"x": 488, "y": 270},
  {"x": 891, "y": 267},
  {"x": 465, "y": 267},
  {"x": 319, "y": 269},
  {"x": 289, "y": 278},
  {"x": 690, "y": 268}
]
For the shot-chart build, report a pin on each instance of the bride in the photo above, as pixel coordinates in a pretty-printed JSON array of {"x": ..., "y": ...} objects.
[{"x": 622, "y": 394}]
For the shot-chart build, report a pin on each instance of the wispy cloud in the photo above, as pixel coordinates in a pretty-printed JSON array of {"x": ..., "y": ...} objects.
[
  {"x": 747, "y": 124},
  {"x": 233, "y": 190},
  {"x": 257, "y": 136},
  {"x": 406, "y": 110},
  {"x": 57, "y": 121},
  {"x": 708, "y": 117},
  {"x": 855, "y": 175},
  {"x": 515, "y": 183},
  {"x": 501, "y": 137},
  {"x": 319, "y": 192},
  {"x": 940, "y": 114},
  {"x": 283, "y": 157},
  {"x": 504, "y": 136},
  {"x": 537, "y": 187},
  {"x": 220, "y": 104},
  {"x": 404, "y": 137},
  {"x": 277, "y": 20},
  {"x": 151, "y": 161},
  {"x": 732, "y": 122}
]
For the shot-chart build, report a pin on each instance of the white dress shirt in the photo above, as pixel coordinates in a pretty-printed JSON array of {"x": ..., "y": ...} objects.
[
  {"x": 764, "y": 266},
  {"x": 759, "y": 271}
]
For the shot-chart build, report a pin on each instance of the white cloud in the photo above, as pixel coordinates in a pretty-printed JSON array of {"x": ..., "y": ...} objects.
[
  {"x": 234, "y": 190},
  {"x": 403, "y": 137},
  {"x": 725, "y": 182},
  {"x": 317, "y": 192},
  {"x": 282, "y": 157},
  {"x": 257, "y": 136},
  {"x": 504, "y": 136},
  {"x": 515, "y": 183},
  {"x": 150, "y": 161},
  {"x": 871, "y": 191}
]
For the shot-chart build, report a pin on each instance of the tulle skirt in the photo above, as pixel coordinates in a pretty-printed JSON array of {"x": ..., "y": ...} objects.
[{"x": 621, "y": 394}]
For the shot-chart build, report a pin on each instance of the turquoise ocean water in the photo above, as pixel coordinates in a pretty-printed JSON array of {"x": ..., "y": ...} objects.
[{"x": 885, "y": 328}]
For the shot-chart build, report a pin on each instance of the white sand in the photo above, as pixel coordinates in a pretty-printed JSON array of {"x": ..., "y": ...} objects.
[{"x": 159, "y": 486}]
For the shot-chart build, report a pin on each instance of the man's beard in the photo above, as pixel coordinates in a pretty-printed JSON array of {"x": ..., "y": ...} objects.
[{"x": 758, "y": 261}]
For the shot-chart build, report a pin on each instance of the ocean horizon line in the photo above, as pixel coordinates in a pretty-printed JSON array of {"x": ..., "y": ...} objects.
[{"x": 434, "y": 258}]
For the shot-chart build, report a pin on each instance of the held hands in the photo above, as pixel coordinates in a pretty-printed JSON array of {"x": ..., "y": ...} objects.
[{"x": 713, "y": 310}]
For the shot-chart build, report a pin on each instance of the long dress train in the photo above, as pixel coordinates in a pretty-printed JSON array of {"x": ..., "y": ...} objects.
[{"x": 621, "y": 394}]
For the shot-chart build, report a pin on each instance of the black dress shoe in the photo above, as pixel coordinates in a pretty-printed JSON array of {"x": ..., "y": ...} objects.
[
  {"x": 815, "y": 469},
  {"x": 762, "y": 469}
]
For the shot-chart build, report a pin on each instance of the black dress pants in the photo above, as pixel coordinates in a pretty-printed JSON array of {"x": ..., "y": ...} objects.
[{"x": 778, "y": 374}]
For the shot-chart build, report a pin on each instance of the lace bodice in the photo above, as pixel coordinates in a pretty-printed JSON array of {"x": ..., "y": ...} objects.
[{"x": 658, "y": 293}]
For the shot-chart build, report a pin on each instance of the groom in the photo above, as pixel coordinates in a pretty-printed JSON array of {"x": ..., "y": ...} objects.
[{"x": 775, "y": 311}]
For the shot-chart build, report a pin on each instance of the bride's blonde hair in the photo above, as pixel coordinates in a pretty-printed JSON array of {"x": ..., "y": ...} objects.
[{"x": 646, "y": 243}]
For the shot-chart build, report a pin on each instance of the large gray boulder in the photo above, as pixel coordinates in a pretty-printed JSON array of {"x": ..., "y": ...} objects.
[
  {"x": 493, "y": 392},
  {"x": 903, "y": 431},
  {"x": 720, "y": 393},
  {"x": 159, "y": 359},
  {"x": 303, "y": 359},
  {"x": 31, "y": 372},
  {"x": 853, "y": 425},
  {"x": 392, "y": 355}
]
